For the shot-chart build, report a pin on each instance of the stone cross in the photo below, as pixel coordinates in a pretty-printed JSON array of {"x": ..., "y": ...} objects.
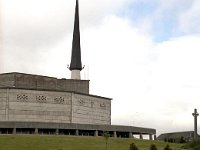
[{"x": 195, "y": 114}]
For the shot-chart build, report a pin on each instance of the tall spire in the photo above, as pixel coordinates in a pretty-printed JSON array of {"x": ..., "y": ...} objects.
[{"x": 76, "y": 47}]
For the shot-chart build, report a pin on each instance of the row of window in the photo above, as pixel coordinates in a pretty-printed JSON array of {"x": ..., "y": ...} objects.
[
  {"x": 40, "y": 99},
  {"x": 57, "y": 100}
]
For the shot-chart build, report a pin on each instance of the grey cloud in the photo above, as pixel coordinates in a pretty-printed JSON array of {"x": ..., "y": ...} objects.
[{"x": 34, "y": 24}]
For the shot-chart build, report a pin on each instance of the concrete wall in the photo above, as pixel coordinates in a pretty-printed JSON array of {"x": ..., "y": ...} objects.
[
  {"x": 3, "y": 104},
  {"x": 91, "y": 110},
  {"x": 7, "y": 80},
  {"x": 42, "y": 106},
  {"x": 28, "y": 81},
  {"x": 51, "y": 106}
]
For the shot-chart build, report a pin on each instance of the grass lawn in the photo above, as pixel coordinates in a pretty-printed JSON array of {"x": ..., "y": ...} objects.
[{"x": 42, "y": 142}]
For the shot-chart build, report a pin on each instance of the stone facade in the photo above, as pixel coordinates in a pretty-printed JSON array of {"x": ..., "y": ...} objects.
[
  {"x": 53, "y": 106},
  {"x": 37, "y": 82},
  {"x": 33, "y": 104},
  {"x": 91, "y": 110}
]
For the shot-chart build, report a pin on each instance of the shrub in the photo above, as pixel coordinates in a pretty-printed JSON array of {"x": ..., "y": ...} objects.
[
  {"x": 182, "y": 140},
  {"x": 153, "y": 147},
  {"x": 167, "y": 147},
  {"x": 197, "y": 147},
  {"x": 133, "y": 146}
]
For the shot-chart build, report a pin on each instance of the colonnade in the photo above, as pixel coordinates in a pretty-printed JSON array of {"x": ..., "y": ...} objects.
[{"x": 77, "y": 132}]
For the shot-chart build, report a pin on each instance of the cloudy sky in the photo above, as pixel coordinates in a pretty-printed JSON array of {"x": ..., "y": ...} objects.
[{"x": 145, "y": 54}]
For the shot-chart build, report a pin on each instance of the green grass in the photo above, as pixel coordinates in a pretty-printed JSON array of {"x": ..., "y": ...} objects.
[
  {"x": 194, "y": 145},
  {"x": 39, "y": 142}
]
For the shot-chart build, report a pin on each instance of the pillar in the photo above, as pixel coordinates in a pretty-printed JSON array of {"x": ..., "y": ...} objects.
[
  {"x": 130, "y": 135},
  {"x": 14, "y": 130},
  {"x": 36, "y": 130},
  {"x": 150, "y": 137},
  {"x": 57, "y": 131},
  {"x": 195, "y": 114},
  {"x": 155, "y": 137},
  {"x": 141, "y": 136},
  {"x": 115, "y": 134},
  {"x": 77, "y": 132},
  {"x": 96, "y": 133}
]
